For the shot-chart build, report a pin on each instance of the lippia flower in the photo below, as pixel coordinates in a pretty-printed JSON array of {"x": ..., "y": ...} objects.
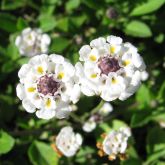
[
  {"x": 105, "y": 109},
  {"x": 32, "y": 42},
  {"x": 114, "y": 144},
  {"x": 89, "y": 125},
  {"x": 67, "y": 142},
  {"x": 47, "y": 86},
  {"x": 109, "y": 68}
]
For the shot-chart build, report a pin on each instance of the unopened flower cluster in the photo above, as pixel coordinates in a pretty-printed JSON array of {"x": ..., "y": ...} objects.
[
  {"x": 110, "y": 68},
  {"x": 32, "y": 42},
  {"x": 115, "y": 144}
]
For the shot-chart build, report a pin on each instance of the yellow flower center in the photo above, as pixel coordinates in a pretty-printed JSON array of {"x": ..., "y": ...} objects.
[
  {"x": 112, "y": 49},
  {"x": 31, "y": 89},
  {"x": 93, "y": 75},
  {"x": 114, "y": 81},
  {"x": 48, "y": 103},
  {"x": 60, "y": 75},
  {"x": 126, "y": 62},
  {"x": 40, "y": 70},
  {"x": 92, "y": 58}
]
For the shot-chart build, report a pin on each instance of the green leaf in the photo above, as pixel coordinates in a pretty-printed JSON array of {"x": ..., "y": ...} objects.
[
  {"x": 63, "y": 24},
  {"x": 8, "y": 22},
  {"x": 42, "y": 154},
  {"x": 78, "y": 20},
  {"x": 12, "y": 4},
  {"x": 138, "y": 29},
  {"x": 72, "y": 4},
  {"x": 147, "y": 7},
  {"x": 21, "y": 24},
  {"x": 59, "y": 44},
  {"x": 143, "y": 97},
  {"x": 141, "y": 118},
  {"x": 47, "y": 22},
  {"x": 155, "y": 146},
  {"x": 6, "y": 142}
]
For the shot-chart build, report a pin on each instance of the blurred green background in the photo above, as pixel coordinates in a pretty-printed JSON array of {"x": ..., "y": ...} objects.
[{"x": 26, "y": 140}]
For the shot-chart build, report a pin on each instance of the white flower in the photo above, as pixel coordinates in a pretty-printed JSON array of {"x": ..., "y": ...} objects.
[
  {"x": 47, "y": 86},
  {"x": 144, "y": 75},
  {"x": 115, "y": 143},
  {"x": 32, "y": 42},
  {"x": 89, "y": 125},
  {"x": 109, "y": 68},
  {"x": 105, "y": 109},
  {"x": 68, "y": 142}
]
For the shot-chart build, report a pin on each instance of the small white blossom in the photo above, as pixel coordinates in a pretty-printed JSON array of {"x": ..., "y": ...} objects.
[
  {"x": 47, "y": 86},
  {"x": 32, "y": 42},
  {"x": 89, "y": 125},
  {"x": 144, "y": 75},
  {"x": 68, "y": 142},
  {"x": 115, "y": 142},
  {"x": 105, "y": 109},
  {"x": 109, "y": 68}
]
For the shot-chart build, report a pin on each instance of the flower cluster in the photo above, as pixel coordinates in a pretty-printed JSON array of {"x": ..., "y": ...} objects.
[
  {"x": 32, "y": 42},
  {"x": 50, "y": 84},
  {"x": 47, "y": 86},
  {"x": 109, "y": 68},
  {"x": 67, "y": 142},
  {"x": 115, "y": 144}
]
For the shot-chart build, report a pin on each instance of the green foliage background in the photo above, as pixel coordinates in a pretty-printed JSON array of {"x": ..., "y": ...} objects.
[{"x": 26, "y": 140}]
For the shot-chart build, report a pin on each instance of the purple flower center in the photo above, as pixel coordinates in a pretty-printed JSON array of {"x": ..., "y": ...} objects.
[
  {"x": 47, "y": 85},
  {"x": 108, "y": 64}
]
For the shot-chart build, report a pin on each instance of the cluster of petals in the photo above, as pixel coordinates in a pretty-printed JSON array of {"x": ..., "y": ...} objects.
[
  {"x": 32, "y": 42},
  {"x": 116, "y": 142},
  {"x": 68, "y": 142},
  {"x": 109, "y": 68},
  {"x": 47, "y": 86}
]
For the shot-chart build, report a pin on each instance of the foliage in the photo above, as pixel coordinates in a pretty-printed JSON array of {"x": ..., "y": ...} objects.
[{"x": 71, "y": 24}]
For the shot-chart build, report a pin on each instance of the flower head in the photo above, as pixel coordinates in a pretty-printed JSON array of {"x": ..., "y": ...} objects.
[
  {"x": 89, "y": 125},
  {"x": 105, "y": 109},
  {"x": 115, "y": 143},
  {"x": 68, "y": 142},
  {"x": 32, "y": 42},
  {"x": 47, "y": 86},
  {"x": 109, "y": 68}
]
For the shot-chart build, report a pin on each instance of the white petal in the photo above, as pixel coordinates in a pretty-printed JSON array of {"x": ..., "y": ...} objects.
[
  {"x": 84, "y": 52},
  {"x": 98, "y": 42},
  {"x": 114, "y": 40},
  {"x": 45, "y": 39},
  {"x": 23, "y": 71},
  {"x": 20, "y": 91},
  {"x": 45, "y": 114},
  {"x": 63, "y": 111},
  {"x": 56, "y": 58},
  {"x": 75, "y": 94},
  {"x": 29, "y": 107}
]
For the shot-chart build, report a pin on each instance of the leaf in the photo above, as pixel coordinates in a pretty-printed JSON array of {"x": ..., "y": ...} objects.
[
  {"x": 21, "y": 24},
  {"x": 59, "y": 44},
  {"x": 63, "y": 24},
  {"x": 8, "y": 22},
  {"x": 147, "y": 7},
  {"x": 47, "y": 22},
  {"x": 42, "y": 154},
  {"x": 138, "y": 29},
  {"x": 6, "y": 142},
  {"x": 155, "y": 146},
  {"x": 12, "y": 5},
  {"x": 141, "y": 118},
  {"x": 143, "y": 96},
  {"x": 72, "y": 4}
]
